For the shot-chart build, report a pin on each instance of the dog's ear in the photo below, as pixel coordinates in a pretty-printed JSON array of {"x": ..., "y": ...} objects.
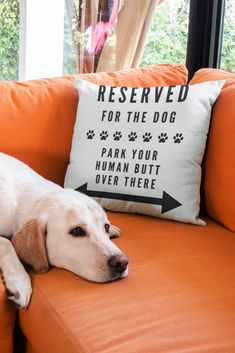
[
  {"x": 30, "y": 245},
  {"x": 114, "y": 232}
]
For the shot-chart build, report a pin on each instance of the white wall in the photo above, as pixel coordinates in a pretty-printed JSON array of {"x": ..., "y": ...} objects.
[{"x": 41, "y": 38}]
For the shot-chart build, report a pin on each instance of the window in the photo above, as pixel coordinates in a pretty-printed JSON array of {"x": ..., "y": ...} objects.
[
  {"x": 166, "y": 41},
  {"x": 43, "y": 45},
  {"x": 9, "y": 39},
  {"x": 228, "y": 43}
]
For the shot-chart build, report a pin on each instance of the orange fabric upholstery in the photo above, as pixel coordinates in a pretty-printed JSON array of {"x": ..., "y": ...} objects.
[
  {"x": 179, "y": 296},
  {"x": 219, "y": 162},
  {"x": 29, "y": 348},
  {"x": 7, "y": 322},
  {"x": 37, "y": 117},
  {"x": 180, "y": 292}
]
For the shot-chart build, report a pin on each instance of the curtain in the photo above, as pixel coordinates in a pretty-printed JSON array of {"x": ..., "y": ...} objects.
[{"x": 109, "y": 34}]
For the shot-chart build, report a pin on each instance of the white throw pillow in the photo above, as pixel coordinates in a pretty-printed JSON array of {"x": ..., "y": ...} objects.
[{"x": 140, "y": 149}]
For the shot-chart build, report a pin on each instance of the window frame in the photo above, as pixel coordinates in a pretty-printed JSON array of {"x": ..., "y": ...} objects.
[{"x": 205, "y": 34}]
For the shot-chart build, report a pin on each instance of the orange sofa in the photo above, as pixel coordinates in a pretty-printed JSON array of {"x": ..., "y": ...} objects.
[{"x": 179, "y": 296}]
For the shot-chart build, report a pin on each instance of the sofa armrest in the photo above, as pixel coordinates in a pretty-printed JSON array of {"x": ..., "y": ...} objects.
[{"x": 7, "y": 321}]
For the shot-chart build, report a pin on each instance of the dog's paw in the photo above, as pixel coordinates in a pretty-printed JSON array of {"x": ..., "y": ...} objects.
[
  {"x": 114, "y": 232},
  {"x": 18, "y": 287}
]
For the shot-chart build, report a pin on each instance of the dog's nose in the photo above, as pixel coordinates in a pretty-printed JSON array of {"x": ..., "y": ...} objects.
[{"x": 118, "y": 263}]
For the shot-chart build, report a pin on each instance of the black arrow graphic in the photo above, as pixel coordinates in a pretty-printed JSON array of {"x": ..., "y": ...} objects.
[{"x": 167, "y": 202}]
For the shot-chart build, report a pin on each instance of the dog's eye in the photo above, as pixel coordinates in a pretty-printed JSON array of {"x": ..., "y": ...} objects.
[
  {"x": 106, "y": 227},
  {"x": 77, "y": 232}
]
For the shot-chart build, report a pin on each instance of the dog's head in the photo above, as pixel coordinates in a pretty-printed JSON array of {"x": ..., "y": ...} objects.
[{"x": 70, "y": 230}]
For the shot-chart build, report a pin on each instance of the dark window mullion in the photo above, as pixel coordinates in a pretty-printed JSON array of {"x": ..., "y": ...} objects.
[
  {"x": 217, "y": 33},
  {"x": 205, "y": 34}
]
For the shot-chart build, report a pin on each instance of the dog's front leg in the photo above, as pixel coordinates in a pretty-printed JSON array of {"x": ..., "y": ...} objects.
[{"x": 15, "y": 277}]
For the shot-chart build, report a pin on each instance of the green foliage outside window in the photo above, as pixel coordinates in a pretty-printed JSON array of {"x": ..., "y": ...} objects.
[
  {"x": 228, "y": 44},
  {"x": 9, "y": 39},
  {"x": 167, "y": 40}
]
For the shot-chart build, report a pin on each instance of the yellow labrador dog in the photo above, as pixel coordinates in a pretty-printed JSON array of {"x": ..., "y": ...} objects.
[{"x": 51, "y": 226}]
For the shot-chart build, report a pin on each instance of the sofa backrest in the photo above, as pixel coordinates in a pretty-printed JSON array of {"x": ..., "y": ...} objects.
[
  {"x": 218, "y": 182},
  {"x": 37, "y": 117}
]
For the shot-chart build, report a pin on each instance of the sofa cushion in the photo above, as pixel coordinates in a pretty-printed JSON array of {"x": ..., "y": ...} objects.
[
  {"x": 37, "y": 117},
  {"x": 219, "y": 163},
  {"x": 179, "y": 295},
  {"x": 7, "y": 321},
  {"x": 158, "y": 173}
]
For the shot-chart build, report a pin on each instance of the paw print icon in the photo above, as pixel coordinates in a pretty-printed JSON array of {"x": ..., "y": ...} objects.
[
  {"x": 162, "y": 137},
  {"x": 132, "y": 136},
  {"x": 104, "y": 135},
  {"x": 147, "y": 137},
  {"x": 117, "y": 136},
  {"x": 90, "y": 134},
  {"x": 178, "y": 138}
]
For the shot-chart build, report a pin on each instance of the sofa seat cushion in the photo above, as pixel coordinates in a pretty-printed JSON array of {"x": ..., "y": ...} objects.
[
  {"x": 179, "y": 295},
  {"x": 7, "y": 321}
]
